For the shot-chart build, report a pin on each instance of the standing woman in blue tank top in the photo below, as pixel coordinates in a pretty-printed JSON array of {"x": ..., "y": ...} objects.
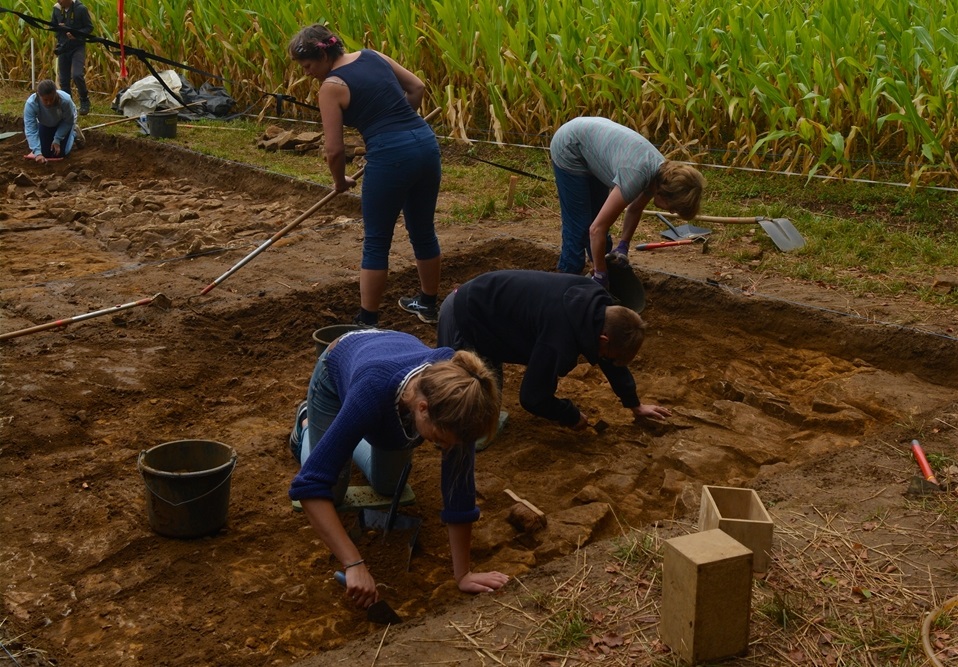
[{"x": 374, "y": 94}]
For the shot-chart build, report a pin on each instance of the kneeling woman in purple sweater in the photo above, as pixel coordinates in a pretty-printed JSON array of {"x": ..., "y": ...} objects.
[{"x": 373, "y": 397}]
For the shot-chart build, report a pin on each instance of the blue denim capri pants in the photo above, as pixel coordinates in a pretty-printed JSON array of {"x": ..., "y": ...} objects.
[{"x": 403, "y": 172}]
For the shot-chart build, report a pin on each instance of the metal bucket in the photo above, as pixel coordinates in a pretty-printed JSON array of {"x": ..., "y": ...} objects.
[
  {"x": 187, "y": 486},
  {"x": 161, "y": 124},
  {"x": 323, "y": 337}
]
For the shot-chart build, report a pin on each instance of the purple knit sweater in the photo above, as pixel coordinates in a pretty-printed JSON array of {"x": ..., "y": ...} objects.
[{"x": 367, "y": 368}]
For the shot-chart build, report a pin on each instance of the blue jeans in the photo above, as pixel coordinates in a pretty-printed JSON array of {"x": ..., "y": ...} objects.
[
  {"x": 47, "y": 135},
  {"x": 381, "y": 467},
  {"x": 403, "y": 171},
  {"x": 581, "y": 197}
]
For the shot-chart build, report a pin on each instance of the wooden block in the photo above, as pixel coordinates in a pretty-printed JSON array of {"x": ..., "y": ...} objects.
[
  {"x": 706, "y": 596},
  {"x": 741, "y": 514}
]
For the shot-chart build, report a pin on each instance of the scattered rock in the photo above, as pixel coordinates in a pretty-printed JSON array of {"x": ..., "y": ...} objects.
[{"x": 945, "y": 285}]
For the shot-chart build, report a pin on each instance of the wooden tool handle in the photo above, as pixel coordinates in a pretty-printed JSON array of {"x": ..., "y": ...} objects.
[
  {"x": 525, "y": 502},
  {"x": 711, "y": 218}
]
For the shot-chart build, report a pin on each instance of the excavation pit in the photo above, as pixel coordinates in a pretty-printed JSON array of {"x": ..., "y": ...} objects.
[{"x": 756, "y": 385}]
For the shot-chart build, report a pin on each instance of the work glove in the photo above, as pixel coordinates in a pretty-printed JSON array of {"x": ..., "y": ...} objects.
[
  {"x": 615, "y": 259},
  {"x": 601, "y": 278}
]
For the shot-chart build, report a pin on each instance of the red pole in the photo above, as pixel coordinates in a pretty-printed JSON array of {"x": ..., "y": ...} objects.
[
  {"x": 926, "y": 471},
  {"x": 119, "y": 11}
]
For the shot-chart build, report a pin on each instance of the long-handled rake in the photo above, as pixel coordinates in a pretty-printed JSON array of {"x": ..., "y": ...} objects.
[
  {"x": 290, "y": 227},
  {"x": 160, "y": 300}
]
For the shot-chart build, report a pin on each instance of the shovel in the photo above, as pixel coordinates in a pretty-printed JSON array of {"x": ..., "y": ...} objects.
[
  {"x": 682, "y": 232},
  {"x": 378, "y": 612},
  {"x": 782, "y": 232}
]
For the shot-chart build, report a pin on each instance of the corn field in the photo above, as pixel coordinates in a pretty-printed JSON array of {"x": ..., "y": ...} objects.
[{"x": 831, "y": 86}]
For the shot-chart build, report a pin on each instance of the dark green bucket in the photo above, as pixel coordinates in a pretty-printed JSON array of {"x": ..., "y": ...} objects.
[
  {"x": 161, "y": 124},
  {"x": 323, "y": 337},
  {"x": 187, "y": 486}
]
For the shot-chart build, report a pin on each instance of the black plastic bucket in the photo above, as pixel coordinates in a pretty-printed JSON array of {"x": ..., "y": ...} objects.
[
  {"x": 323, "y": 337},
  {"x": 187, "y": 486},
  {"x": 161, "y": 124}
]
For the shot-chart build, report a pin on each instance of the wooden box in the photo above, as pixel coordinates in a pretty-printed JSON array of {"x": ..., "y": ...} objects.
[
  {"x": 741, "y": 514},
  {"x": 706, "y": 596}
]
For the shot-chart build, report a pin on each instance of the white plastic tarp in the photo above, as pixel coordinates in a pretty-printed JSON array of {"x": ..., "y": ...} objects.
[{"x": 147, "y": 94}]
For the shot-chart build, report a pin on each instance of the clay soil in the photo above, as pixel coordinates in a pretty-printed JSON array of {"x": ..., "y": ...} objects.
[{"x": 783, "y": 386}]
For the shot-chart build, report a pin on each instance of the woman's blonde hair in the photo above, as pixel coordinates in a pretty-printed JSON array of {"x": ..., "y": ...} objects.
[
  {"x": 463, "y": 396},
  {"x": 681, "y": 186}
]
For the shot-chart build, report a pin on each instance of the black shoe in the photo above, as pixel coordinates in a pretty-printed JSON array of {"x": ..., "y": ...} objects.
[
  {"x": 84, "y": 107},
  {"x": 428, "y": 314},
  {"x": 358, "y": 321}
]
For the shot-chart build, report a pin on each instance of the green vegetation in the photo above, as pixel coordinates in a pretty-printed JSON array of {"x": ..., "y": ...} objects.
[
  {"x": 567, "y": 629},
  {"x": 823, "y": 86}
]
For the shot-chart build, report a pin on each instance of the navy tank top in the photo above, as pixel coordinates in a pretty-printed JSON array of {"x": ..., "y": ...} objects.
[{"x": 377, "y": 103}]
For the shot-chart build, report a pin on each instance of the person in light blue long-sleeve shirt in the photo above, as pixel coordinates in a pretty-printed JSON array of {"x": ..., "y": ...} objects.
[{"x": 49, "y": 119}]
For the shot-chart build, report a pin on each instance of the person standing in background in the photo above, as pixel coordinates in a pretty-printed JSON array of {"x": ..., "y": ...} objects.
[{"x": 72, "y": 21}]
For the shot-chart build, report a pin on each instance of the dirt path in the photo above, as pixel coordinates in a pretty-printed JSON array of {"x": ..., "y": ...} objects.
[{"x": 763, "y": 376}]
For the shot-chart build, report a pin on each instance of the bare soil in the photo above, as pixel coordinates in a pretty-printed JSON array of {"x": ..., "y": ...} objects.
[{"x": 808, "y": 394}]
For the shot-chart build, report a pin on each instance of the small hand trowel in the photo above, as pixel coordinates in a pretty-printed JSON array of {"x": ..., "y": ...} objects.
[{"x": 378, "y": 612}]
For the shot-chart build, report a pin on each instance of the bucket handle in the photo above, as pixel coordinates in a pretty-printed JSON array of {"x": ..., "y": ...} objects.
[{"x": 191, "y": 500}]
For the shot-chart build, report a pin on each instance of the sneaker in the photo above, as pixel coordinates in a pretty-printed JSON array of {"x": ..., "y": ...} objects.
[
  {"x": 296, "y": 435},
  {"x": 428, "y": 314},
  {"x": 84, "y": 107}
]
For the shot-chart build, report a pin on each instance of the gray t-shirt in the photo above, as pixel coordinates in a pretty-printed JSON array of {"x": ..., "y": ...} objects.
[{"x": 611, "y": 152}]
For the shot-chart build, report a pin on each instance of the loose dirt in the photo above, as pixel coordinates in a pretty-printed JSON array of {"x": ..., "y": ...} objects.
[{"x": 765, "y": 377}]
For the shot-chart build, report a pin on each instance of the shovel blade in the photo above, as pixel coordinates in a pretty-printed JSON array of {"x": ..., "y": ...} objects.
[
  {"x": 684, "y": 232},
  {"x": 381, "y": 613},
  {"x": 783, "y": 233}
]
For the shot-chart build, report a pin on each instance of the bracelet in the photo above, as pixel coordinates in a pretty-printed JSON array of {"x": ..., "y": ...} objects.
[{"x": 358, "y": 562}]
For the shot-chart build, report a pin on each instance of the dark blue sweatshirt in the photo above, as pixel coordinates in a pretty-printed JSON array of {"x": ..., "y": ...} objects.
[{"x": 544, "y": 321}]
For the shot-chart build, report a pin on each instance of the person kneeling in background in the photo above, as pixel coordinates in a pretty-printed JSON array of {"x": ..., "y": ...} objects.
[{"x": 49, "y": 120}]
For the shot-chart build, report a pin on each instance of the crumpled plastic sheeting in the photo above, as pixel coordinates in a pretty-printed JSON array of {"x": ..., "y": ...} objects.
[{"x": 147, "y": 95}]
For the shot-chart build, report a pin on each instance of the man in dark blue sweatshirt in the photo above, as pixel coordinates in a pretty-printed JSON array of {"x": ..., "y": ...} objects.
[{"x": 545, "y": 321}]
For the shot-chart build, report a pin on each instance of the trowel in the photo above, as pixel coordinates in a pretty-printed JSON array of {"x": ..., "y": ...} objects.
[{"x": 378, "y": 612}]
